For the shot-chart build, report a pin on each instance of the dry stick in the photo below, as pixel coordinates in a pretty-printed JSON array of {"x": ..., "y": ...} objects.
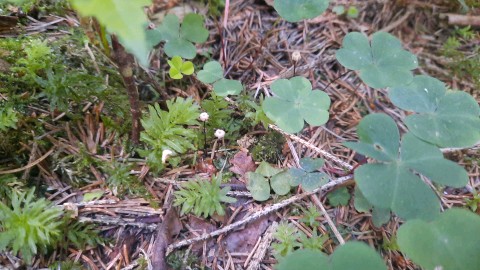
[
  {"x": 125, "y": 61},
  {"x": 28, "y": 166},
  {"x": 262, "y": 249},
  {"x": 313, "y": 147},
  {"x": 265, "y": 211},
  {"x": 319, "y": 204}
]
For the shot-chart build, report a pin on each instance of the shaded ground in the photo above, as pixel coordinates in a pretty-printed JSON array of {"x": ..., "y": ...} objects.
[{"x": 256, "y": 48}]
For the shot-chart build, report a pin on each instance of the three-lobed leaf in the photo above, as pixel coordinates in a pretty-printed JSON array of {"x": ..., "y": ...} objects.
[
  {"x": 178, "y": 67},
  {"x": 306, "y": 175},
  {"x": 393, "y": 183},
  {"x": 444, "y": 118},
  {"x": 294, "y": 103},
  {"x": 297, "y": 10},
  {"x": 451, "y": 242},
  {"x": 264, "y": 177},
  {"x": 381, "y": 63},
  {"x": 352, "y": 255},
  {"x": 126, "y": 19}
]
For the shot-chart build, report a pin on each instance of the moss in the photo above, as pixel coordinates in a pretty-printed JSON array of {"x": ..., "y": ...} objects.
[{"x": 269, "y": 148}]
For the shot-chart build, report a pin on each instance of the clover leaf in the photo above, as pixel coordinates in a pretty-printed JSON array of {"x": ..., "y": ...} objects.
[
  {"x": 381, "y": 63},
  {"x": 295, "y": 102},
  {"x": 444, "y": 118},
  {"x": 179, "y": 39},
  {"x": 449, "y": 242},
  {"x": 351, "y": 255},
  {"x": 213, "y": 73},
  {"x": 297, "y": 10},
  {"x": 393, "y": 183},
  {"x": 265, "y": 175},
  {"x": 380, "y": 216},
  {"x": 306, "y": 175},
  {"x": 178, "y": 67}
]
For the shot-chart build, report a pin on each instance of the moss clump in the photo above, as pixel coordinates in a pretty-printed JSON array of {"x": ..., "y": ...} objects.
[{"x": 269, "y": 148}]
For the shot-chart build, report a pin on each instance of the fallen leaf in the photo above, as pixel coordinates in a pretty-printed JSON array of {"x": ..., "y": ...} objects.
[{"x": 242, "y": 163}]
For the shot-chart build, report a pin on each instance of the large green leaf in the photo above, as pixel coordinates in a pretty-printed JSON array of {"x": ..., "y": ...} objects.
[
  {"x": 126, "y": 19},
  {"x": 297, "y": 10},
  {"x": 352, "y": 255},
  {"x": 179, "y": 39},
  {"x": 450, "y": 242},
  {"x": 446, "y": 119},
  {"x": 380, "y": 216},
  {"x": 213, "y": 73},
  {"x": 381, "y": 63},
  {"x": 295, "y": 102},
  {"x": 393, "y": 183}
]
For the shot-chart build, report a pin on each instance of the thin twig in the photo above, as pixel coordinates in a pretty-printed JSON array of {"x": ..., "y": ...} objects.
[
  {"x": 30, "y": 165},
  {"x": 258, "y": 214},
  {"x": 312, "y": 147},
  {"x": 319, "y": 204}
]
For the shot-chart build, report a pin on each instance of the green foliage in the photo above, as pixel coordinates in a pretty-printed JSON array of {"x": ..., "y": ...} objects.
[
  {"x": 287, "y": 240},
  {"x": 166, "y": 130},
  {"x": 451, "y": 242},
  {"x": 212, "y": 72},
  {"x": 78, "y": 234},
  {"x": 391, "y": 183},
  {"x": 352, "y": 255},
  {"x": 294, "y": 102},
  {"x": 121, "y": 182},
  {"x": 297, "y": 10},
  {"x": 307, "y": 175},
  {"x": 29, "y": 225},
  {"x": 178, "y": 68},
  {"x": 9, "y": 184},
  {"x": 381, "y": 63},
  {"x": 310, "y": 216},
  {"x": 472, "y": 203},
  {"x": 179, "y": 39},
  {"x": 339, "y": 197},
  {"x": 339, "y": 10},
  {"x": 220, "y": 117},
  {"x": 446, "y": 119},
  {"x": 126, "y": 19},
  {"x": 351, "y": 12},
  {"x": 8, "y": 118},
  {"x": 66, "y": 265},
  {"x": 265, "y": 175},
  {"x": 203, "y": 197}
]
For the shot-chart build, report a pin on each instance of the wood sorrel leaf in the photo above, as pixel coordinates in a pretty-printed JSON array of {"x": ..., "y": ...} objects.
[
  {"x": 381, "y": 63},
  {"x": 295, "y": 102},
  {"x": 393, "y": 183}
]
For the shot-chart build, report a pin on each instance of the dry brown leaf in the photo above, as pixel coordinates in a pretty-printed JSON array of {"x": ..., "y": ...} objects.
[{"x": 242, "y": 163}]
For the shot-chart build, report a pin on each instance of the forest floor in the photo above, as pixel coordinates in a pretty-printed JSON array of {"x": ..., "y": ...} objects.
[{"x": 256, "y": 48}]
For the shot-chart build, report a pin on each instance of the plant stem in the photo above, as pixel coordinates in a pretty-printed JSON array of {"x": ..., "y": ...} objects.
[{"x": 125, "y": 62}]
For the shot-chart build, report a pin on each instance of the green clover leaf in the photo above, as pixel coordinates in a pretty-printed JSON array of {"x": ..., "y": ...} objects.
[
  {"x": 351, "y": 255},
  {"x": 179, "y": 39},
  {"x": 297, "y": 10},
  {"x": 178, "y": 67},
  {"x": 383, "y": 63},
  {"x": 306, "y": 175},
  {"x": 295, "y": 102},
  {"x": 213, "y": 73},
  {"x": 444, "y": 118},
  {"x": 393, "y": 183},
  {"x": 450, "y": 242}
]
